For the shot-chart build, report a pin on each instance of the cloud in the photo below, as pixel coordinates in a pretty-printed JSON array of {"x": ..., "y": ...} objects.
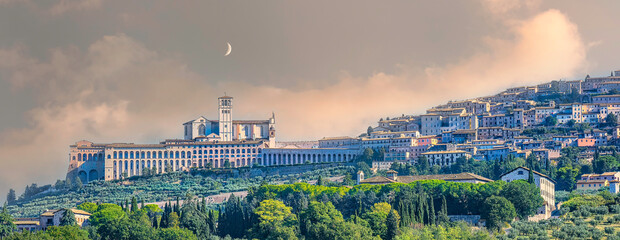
[
  {"x": 118, "y": 90},
  {"x": 63, "y": 6},
  {"x": 500, "y": 8}
]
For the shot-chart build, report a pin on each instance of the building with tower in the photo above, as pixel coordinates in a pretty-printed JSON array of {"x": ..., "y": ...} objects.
[
  {"x": 206, "y": 144},
  {"x": 227, "y": 129}
]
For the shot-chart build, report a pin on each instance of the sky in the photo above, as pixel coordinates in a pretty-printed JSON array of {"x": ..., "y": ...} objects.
[{"x": 134, "y": 71}]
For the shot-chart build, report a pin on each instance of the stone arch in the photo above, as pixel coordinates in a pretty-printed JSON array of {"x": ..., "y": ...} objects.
[
  {"x": 93, "y": 175},
  {"x": 83, "y": 176}
]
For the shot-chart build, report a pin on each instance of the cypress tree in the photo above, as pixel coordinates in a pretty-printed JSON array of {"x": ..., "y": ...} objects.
[
  {"x": 142, "y": 203},
  {"x": 134, "y": 204},
  {"x": 530, "y": 177},
  {"x": 177, "y": 207},
  {"x": 212, "y": 221},
  {"x": 432, "y": 213},
  {"x": 443, "y": 215},
  {"x": 392, "y": 225},
  {"x": 155, "y": 223}
]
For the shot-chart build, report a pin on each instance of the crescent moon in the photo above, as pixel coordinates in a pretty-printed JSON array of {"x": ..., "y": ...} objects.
[{"x": 229, "y": 49}]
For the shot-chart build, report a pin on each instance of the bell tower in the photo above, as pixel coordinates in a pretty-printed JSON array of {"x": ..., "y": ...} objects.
[{"x": 225, "y": 123}]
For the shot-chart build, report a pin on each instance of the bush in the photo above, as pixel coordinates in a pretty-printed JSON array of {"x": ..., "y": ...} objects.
[
  {"x": 598, "y": 218},
  {"x": 614, "y": 208},
  {"x": 610, "y": 230}
]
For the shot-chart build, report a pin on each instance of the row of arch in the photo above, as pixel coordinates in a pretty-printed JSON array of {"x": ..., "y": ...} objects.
[
  {"x": 136, "y": 167},
  {"x": 271, "y": 159},
  {"x": 88, "y": 157},
  {"x": 176, "y": 154},
  {"x": 149, "y": 154},
  {"x": 87, "y": 177}
]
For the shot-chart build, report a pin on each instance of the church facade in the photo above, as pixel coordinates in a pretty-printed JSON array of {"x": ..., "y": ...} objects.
[{"x": 226, "y": 129}]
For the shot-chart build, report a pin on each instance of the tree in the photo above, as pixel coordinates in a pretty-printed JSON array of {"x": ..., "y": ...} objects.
[
  {"x": 174, "y": 220},
  {"x": 72, "y": 232},
  {"x": 106, "y": 213},
  {"x": 10, "y": 197},
  {"x": 175, "y": 234},
  {"x": 6, "y": 223},
  {"x": 565, "y": 177},
  {"x": 611, "y": 120},
  {"x": 571, "y": 123},
  {"x": 134, "y": 204},
  {"x": 367, "y": 156},
  {"x": 323, "y": 221},
  {"x": 604, "y": 164},
  {"x": 88, "y": 207},
  {"x": 392, "y": 222},
  {"x": 319, "y": 181},
  {"x": 524, "y": 196},
  {"x": 68, "y": 218},
  {"x": 275, "y": 221},
  {"x": 443, "y": 218},
  {"x": 496, "y": 211},
  {"x": 377, "y": 216},
  {"x": 423, "y": 165},
  {"x": 530, "y": 177},
  {"x": 155, "y": 223},
  {"x": 226, "y": 163},
  {"x": 551, "y": 121},
  {"x": 369, "y": 130}
]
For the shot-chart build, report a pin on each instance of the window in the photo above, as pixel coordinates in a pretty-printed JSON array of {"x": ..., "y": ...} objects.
[{"x": 520, "y": 172}]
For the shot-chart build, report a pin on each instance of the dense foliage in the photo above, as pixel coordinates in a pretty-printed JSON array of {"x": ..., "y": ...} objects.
[{"x": 151, "y": 189}]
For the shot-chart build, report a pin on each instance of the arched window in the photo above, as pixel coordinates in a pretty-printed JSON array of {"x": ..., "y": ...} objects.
[
  {"x": 79, "y": 157},
  {"x": 202, "y": 130},
  {"x": 176, "y": 154},
  {"x": 182, "y": 154}
]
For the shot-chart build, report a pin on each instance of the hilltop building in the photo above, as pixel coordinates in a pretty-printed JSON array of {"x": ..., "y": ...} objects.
[{"x": 207, "y": 144}]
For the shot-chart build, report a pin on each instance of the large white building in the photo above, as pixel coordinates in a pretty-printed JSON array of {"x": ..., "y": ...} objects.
[
  {"x": 543, "y": 182},
  {"x": 206, "y": 144}
]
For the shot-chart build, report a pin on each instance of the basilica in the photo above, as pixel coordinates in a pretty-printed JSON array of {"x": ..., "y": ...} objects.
[{"x": 206, "y": 144}]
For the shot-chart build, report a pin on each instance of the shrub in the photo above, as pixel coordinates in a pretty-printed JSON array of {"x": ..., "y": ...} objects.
[
  {"x": 614, "y": 208},
  {"x": 610, "y": 230},
  {"x": 598, "y": 218}
]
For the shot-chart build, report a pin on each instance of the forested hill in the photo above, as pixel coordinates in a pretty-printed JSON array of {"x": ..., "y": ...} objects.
[{"x": 163, "y": 187}]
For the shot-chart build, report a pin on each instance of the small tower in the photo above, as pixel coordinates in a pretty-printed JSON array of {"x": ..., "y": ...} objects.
[
  {"x": 272, "y": 130},
  {"x": 225, "y": 123},
  {"x": 392, "y": 175},
  {"x": 360, "y": 177}
]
